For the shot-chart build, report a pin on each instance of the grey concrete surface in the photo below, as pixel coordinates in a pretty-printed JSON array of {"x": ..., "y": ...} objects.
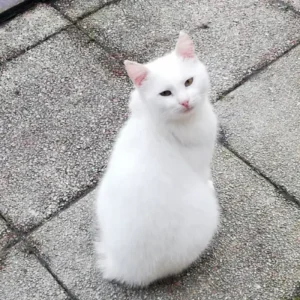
[
  {"x": 63, "y": 101},
  {"x": 232, "y": 37},
  {"x": 6, "y": 235},
  {"x": 27, "y": 29},
  {"x": 261, "y": 121},
  {"x": 255, "y": 255},
  {"x": 23, "y": 278},
  {"x": 61, "y": 105},
  {"x": 75, "y": 9}
]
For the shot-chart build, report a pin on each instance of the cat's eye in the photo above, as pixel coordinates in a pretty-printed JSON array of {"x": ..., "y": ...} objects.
[
  {"x": 166, "y": 93},
  {"x": 189, "y": 82}
]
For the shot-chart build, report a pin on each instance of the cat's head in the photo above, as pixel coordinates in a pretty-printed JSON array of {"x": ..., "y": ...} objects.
[{"x": 174, "y": 86}]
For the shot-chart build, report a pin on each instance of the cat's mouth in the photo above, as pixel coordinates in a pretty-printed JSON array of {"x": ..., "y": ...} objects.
[{"x": 187, "y": 109}]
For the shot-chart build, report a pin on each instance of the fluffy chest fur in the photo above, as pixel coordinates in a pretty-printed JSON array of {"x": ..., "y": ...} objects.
[{"x": 171, "y": 146}]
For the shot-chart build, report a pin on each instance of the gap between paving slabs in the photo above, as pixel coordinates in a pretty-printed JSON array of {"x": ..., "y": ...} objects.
[
  {"x": 261, "y": 123},
  {"x": 255, "y": 71},
  {"x": 28, "y": 30},
  {"x": 283, "y": 5},
  {"x": 23, "y": 277},
  {"x": 75, "y": 21},
  {"x": 12, "y": 245},
  {"x": 7, "y": 235},
  {"x": 280, "y": 189}
]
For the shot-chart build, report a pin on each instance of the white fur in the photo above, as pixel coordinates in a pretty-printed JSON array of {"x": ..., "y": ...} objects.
[{"x": 156, "y": 209}]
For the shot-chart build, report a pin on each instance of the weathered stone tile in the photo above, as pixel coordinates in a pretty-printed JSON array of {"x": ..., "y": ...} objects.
[
  {"x": 61, "y": 105},
  {"x": 261, "y": 120},
  {"x": 23, "y": 278},
  {"x": 75, "y": 9},
  {"x": 29, "y": 28}
]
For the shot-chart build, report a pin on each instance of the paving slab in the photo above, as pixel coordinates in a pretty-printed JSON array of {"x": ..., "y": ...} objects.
[
  {"x": 6, "y": 235},
  {"x": 23, "y": 278},
  {"x": 75, "y": 9},
  {"x": 232, "y": 37},
  {"x": 261, "y": 121},
  {"x": 61, "y": 104},
  {"x": 255, "y": 254},
  {"x": 29, "y": 28}
]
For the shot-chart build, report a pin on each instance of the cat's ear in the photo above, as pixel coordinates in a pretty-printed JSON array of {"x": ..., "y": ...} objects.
[
  {"x": 136, "y": 72},
  {"x": 185, "y": 46}
]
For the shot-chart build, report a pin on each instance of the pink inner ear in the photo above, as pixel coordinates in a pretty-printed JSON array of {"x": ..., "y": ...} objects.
[
  {"x": 185, "y": 46},
  {"x": 136, "y": 72},
  {"x": 139, "y": 80},
  {"x": 188, "y": 53}
]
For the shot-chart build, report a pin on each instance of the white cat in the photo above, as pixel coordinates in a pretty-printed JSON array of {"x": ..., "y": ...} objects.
[{"x": 156, "y": 207}]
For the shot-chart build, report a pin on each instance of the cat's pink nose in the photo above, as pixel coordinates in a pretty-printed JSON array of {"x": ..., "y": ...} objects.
[{"x": 186, "y": 104}]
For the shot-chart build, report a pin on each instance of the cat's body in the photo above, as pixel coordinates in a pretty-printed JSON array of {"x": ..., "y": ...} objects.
[{"x": 156, "y": 209}]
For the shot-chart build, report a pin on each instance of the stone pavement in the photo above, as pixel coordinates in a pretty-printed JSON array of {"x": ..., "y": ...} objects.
[{"x": 63, "y": 95}]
